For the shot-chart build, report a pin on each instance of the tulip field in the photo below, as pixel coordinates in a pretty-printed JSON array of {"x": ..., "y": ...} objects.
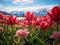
[{"x": 32, "y": 29}]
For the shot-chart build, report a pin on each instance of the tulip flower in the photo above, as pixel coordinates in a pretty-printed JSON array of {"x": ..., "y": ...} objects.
[
  {"x": 55, "y": 35},
  {"x": 49, "y": 20},
  {"x": 22, "y": 32},
  {"x": 23, "y": 22},
  {"x": 34, "y": 23},
  {"x": 55, "y": 13},
  {"x": 38, "y": 22},
  {"x": 17, "y": 21},
  {"x": 30, "y": 16},
  {"x": 1, "y": 18},
  {"x": 43, "y": 19},
  {"x": 44, "y": 25},
  {"x": 11, "y": 20}
]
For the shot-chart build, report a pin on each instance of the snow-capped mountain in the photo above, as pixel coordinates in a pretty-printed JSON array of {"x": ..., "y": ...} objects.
[{"x": 21, "y": 13}]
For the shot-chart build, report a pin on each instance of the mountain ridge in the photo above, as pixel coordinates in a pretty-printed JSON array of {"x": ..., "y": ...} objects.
[{"x": 21, "y": 13}]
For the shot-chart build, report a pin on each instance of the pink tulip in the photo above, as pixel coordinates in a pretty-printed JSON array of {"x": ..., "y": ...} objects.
[
  {"x": 22, "y": 32},
  {"x": 55, "y": 35}
]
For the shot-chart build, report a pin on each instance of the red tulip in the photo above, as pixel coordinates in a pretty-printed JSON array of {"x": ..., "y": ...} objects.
[
  {"x": 55, "y": 13},
  {"x": 34, "y": 23},
  {"x": 17, "y": 21},
  {"x": 1, "y": 18},
  {"x": 30, "y": 16},
  {"x": 44, "y": 25},
  {"x": 23, "y": 22},
  {"x": 38, "y": 21},
  {"x": 45, "y": 18},
  {"x": 11, "y": 20},
  {"x": 49, "y": 20},
  {"x": 26, "y": 22}
]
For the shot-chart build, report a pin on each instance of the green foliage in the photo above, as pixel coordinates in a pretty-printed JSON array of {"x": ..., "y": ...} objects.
[{"x": 36, "y": 36}]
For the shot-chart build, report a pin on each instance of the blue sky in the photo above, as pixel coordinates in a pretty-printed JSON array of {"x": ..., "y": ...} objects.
[{"x": 26, "y": 5}]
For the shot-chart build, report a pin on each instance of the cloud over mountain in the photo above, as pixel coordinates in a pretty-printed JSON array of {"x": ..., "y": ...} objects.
[{"x": 31, "y": 8}]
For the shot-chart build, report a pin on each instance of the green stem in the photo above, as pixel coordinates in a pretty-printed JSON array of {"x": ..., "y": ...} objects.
[
  {"x": 4, "y": 32},
  {"x": 56, "y": 42},
  {"x": 23, "y": 42},
  {"x": 12, "y": 35}
]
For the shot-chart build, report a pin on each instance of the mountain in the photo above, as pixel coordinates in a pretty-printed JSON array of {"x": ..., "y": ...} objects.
[
  {"x": 21, "y": 13},
  {"x": 17, "y": 13},
  {"x": 4, "y": 12},
  {"x": 41, "y": 12}
]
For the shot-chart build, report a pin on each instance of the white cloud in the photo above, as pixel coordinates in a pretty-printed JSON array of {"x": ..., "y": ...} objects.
[
  {"x": 31, "y": 8},
  {"x": 23, "y": 1},
  {"x": 2, "y": 7}
]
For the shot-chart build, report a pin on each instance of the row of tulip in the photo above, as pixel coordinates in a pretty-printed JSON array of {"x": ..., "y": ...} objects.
[{"x": 32, "y": 30}]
